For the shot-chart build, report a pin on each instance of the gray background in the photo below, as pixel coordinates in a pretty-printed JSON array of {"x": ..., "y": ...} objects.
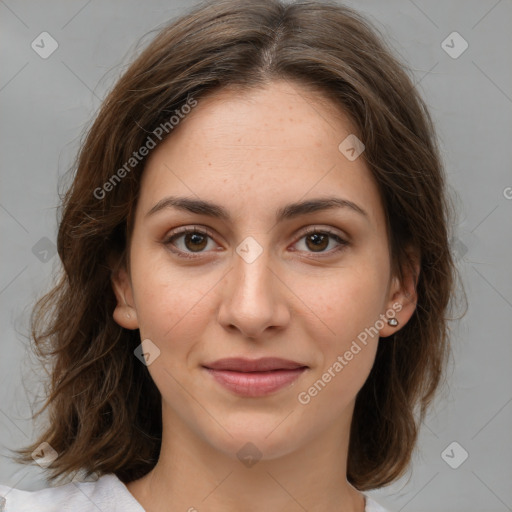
[{"x": 47, "y": 103}]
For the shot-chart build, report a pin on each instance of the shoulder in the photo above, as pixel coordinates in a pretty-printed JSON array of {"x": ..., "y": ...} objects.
[
  {"x": 373, "y": 506},
  {"x": 107, "y": 493}
]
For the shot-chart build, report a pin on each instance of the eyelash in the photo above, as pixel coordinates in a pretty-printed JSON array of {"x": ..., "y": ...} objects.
[{"x": 184, "y": 231}]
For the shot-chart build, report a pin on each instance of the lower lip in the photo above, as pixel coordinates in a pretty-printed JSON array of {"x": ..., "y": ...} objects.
[{"x": 254, "y": 384}]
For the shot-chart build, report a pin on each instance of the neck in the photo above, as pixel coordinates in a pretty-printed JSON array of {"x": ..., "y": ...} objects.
[{"x": 193, "y": 476}]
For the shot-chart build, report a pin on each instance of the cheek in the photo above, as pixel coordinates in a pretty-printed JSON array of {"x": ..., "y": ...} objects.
[
  {"x": 174, "y": 304},
  {"x": 346, "y": 350},
  {"x": 348, "y": 301},
  {"x": 329, "y": 393}
]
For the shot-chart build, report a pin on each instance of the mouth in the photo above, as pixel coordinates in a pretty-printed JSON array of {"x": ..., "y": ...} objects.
[{"x": 255, "y": 378}]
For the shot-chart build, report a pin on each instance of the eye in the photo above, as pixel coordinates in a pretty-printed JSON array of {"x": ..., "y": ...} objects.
[
  {"x": 189, "y": 240},
  {"x": 318, "y": 240},
  {"x": 192, "y": 240}
]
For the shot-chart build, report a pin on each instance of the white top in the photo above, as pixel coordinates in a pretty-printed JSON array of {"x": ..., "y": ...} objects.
[{"x": 107, "y": 494}]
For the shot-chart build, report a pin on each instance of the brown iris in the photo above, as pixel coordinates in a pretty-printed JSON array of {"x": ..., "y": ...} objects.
[
  {"x": 319, "y": 240},
  {"x": 198, "y": 241}
]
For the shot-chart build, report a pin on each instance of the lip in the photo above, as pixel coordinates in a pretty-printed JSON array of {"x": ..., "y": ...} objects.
[
  {"x": 257, "y": 377},
  {"x": 264, "y": 364}
]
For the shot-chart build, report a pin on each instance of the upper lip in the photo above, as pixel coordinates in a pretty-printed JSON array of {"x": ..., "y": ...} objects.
[{"x": 241, "y": 364}]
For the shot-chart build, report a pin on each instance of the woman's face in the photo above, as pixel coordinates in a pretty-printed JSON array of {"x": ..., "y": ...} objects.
[{"x": 267, "y": 278}]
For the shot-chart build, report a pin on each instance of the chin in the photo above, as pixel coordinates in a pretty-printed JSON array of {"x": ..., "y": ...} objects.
[{"x": 253, "y": 439}]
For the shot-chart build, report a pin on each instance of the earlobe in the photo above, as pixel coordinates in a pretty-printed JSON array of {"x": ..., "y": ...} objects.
[
  {"x": 125, "y": 313},
  {"x": 403, "y": 299}
]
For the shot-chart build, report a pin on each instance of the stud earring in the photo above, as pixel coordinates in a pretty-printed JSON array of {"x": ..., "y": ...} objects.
[
  {"x": 393, "y": 322},
  {"x": 127, "y": 315}
]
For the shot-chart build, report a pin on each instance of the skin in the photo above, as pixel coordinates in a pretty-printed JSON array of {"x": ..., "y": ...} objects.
[{"x": 252, "y": 153}]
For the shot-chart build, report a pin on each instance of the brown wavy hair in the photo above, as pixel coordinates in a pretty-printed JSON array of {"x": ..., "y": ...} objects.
[{"x": 104, "y": 409}]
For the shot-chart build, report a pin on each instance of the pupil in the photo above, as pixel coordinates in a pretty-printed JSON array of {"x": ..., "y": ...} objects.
[
  {"x": 317, "y": 239},
  {"x": 195, "y": 238}
]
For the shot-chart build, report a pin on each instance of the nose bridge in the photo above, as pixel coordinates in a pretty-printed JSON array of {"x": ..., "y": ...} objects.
[
  {"x": 252, "y": 285},
  {"x": 251, "y": 299}
]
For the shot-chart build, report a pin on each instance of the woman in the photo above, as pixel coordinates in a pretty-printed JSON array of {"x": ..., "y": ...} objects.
[{"x": 251, "y": 314}]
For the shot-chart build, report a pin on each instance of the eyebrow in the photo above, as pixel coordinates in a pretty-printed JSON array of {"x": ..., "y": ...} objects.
[{"x": 290, "y": 211}]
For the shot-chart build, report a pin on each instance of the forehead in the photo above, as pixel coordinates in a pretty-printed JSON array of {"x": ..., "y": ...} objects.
[
  {"x": 281, "y": 116},
  {"x": 258, "y": 149}
]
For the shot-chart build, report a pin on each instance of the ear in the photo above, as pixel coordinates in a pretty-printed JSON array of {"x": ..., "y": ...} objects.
[
  {"x": 125, "y": 313},
  {"x": 402, "y": 297}
]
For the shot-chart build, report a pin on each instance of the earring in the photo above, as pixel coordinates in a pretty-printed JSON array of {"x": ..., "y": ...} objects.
[
  {"x": 393, "y": 322},
  {"x": 127, "y": 315}
]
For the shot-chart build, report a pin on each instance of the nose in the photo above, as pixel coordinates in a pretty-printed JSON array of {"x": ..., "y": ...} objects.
[{"x": 253, "y": 298}]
